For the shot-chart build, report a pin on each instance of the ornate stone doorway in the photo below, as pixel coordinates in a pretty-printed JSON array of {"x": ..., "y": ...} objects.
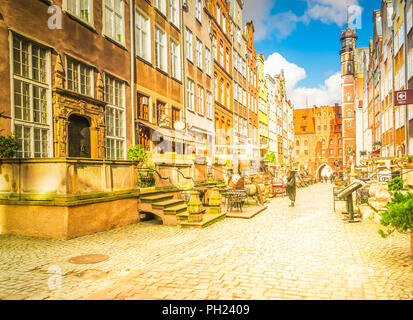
[{"x": 79, "y": 137}]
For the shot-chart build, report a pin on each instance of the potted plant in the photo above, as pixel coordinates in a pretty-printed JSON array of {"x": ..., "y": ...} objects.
[
  {"x": 8, "y": 146},
  {"x": 399, "y": 216},
  {"x": 395, "y": 184},
  {"x": 137, "y": 153},
  {"x": 409, "y": 159}
]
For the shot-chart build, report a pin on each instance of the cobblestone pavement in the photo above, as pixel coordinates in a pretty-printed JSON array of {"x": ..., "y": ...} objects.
[{"x": 306, "y": 252}]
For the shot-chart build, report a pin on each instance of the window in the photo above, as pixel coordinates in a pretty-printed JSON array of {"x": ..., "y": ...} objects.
[
  {"x": 160, "y": 49},
  {"x": 198, "y": 10},
  {"x": 143, "y": 44},
  {"x": 176, "y": 116},
  {"x": 198, "y": 53},
  {"x": 174, "y": 12},
  {"x": 115, "y": 113},
  {"x": 114, "y": 13},
  {"x": 349, "y": 124},
  {"x": 189, "y": 45},
  {"x": 190, "y": 95},
  {"x": 218, "y": 14},
  {"x": 81, "y": 9},
  {"x": 208, "y": 105},
  {"x": 175, "y": 60},
  {"x": 221, "y": 55},
  {"x": 160, "y": 5},
  {"x": 239, "y": 35},
  {"x": 227, "y": 61},
  {"x": 228, "y": 97},
  {"x": 79, "y": 77},
  {"x": 223, "y": 22},
  {"x": 31, "y": 94},
  {"x": 222, "y": 92},
  {"x": 207, "y": 61},
  {"x": 409, "y": 23},
  {"x": 216, "y": 88},
  {"x": 200, "y": 100},
  {"x": 235, "y": 91},
  {"x": 143, "y": 107},
  {"x": 214, "y": 48}
]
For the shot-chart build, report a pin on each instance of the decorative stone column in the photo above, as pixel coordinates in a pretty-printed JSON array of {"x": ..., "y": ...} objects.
[
  {"x": 215, "y": 201},
  {"x": 195, "y": 208}
]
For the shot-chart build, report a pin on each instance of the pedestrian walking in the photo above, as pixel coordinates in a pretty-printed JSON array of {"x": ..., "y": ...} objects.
[{"x": 291, "y": 187}]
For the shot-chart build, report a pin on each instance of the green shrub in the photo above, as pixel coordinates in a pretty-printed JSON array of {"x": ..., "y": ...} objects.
[
  {"x": 8, "y": 146},
  {"x": 399, "y": 214},
  {"x": 137, "y": 153},
  {"x": 395, "y": 184}
]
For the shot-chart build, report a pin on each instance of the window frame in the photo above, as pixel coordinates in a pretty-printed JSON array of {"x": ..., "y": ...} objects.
[
  {"x": 118, "y": 108},
  {"x": 78, "y": 16},
  {"x": 164, "y": 59},
  {"x": 177, "y": 74},
  {"x": 47, "y": 86},
  {"x": 122, "y": 25},
  {"x": 92, "y": 76},
  {"x": 148, "y": 35}
]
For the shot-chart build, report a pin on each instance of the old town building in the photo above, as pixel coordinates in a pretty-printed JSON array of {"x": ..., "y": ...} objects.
[
  {"x": 409, "y": 51},
  {"x": 218, "y": 11},
  {"x": 348, "y": 41},
  {"x": 68, "y": 79},
  {"x": 272, "y": 114},
  {"x": 262, "y": 105},
  {"x": 198, "y": 70},
  {"x": 318, "y": 138},
  {"x": 253, "y": 124},
  {"x": 240, "y": 82},
  {"x": 159, "y": 90}
]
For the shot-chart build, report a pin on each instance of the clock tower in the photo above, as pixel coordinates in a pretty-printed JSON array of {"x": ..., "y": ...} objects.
[{"x": 348, "y": 74}]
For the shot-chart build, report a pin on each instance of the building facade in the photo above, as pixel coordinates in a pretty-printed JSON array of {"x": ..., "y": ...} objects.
[
  {"x": 253, "y": 124},
  {"x": 262, "y": 106},
  {"x": 348, "y": 42},
  {"x": 218, "y": 11},
  {"x": 66, "y": 86},
  {"x": 240, "y": 81},
  {"x": 272, "y": 114},
  {"x": 319, "y": 139},
  {"x": 198, "y": 83}
]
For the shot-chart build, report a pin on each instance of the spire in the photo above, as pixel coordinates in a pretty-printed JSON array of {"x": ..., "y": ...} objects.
[{"x": 348, "y": 16}]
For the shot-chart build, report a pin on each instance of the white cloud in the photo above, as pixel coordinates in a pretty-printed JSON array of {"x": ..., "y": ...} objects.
[
  {"x": 327, "y": 94},
  {"x": 329, "y": 11},
  {"x": 281, "y": 25},
  {"x": 293, "y": 73}
]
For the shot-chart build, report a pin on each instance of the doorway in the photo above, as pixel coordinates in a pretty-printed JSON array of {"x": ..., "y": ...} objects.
[{"x": 79, "y": 137}]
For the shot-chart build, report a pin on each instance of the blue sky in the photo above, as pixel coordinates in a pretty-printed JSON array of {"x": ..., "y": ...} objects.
[{"x": 303, "y": 37}]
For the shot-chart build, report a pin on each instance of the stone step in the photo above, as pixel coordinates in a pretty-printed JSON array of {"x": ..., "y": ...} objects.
[
  {"x": 207, "y": 220},
  {"x": 176, "y": 209},
  {"x": 184, "y": 216},
  {"x": 156, "y": 198},
  {"x": 167, "y": 203}
]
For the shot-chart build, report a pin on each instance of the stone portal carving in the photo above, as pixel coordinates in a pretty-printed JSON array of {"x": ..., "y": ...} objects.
[{"x": 67, "y": 103}]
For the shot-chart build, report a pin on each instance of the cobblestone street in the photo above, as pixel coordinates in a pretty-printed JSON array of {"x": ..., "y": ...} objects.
[{"x": 306, "y": 252}]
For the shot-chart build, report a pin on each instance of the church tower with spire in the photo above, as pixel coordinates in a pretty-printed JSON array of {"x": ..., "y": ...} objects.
[{"x": 348, "y": 74}]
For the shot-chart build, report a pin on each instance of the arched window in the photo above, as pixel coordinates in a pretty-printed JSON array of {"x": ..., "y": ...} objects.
[
  {"x": 298, "y": 143},
  {"x": 305, "y": 143}
]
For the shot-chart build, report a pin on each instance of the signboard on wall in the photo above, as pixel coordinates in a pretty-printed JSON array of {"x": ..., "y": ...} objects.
[{"x": 403, "y": 97}]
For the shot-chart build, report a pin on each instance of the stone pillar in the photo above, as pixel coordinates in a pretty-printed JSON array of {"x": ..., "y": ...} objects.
[
  {"x": 215, "y": 201},
  {"x": 195, "y": 208}
]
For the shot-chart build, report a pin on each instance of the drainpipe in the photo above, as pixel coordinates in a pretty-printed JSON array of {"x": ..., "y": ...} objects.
[
  {"x": 406, "y": 79},
  {"x": 394, "y": 127},
  {"x": 132, "y": 68},
  {"x": 181, "y": 16}
]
